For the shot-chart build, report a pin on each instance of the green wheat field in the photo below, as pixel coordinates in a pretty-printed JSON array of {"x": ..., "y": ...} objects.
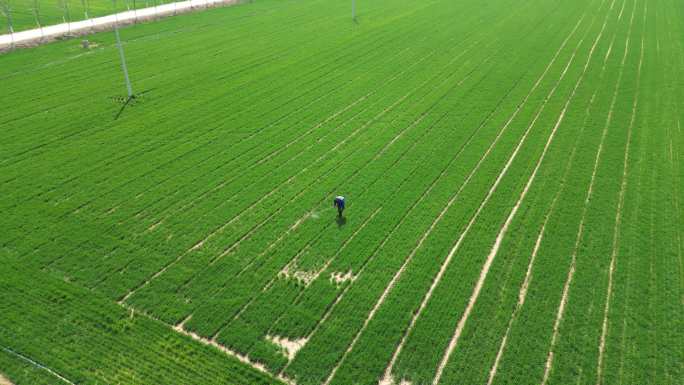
[{"x": 512, "y": 168}]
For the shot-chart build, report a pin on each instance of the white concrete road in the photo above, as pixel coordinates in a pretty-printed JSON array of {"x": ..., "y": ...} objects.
[{"x": 49, "y": 33}]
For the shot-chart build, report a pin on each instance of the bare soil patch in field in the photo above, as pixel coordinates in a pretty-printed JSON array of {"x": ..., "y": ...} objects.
[{"x": 4, "y": 380}]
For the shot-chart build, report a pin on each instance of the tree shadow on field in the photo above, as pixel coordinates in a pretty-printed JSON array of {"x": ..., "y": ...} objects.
[{"x": 341, "y": 221}]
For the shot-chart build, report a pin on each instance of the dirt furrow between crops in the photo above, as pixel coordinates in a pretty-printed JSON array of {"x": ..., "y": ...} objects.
[
  {"x": 409, "y": 258},
  {"x": 261, "y": 160},
  {"x": 502, "y": 232},
  {"x": 280, "y": 149},
  {"x": 401, "y": 221},
  {"x": 630, "y": 269},
  {"x": 388, "y": 378},
  {"x": 286, "y": 274},
  {"x": 378, "y": 155},
  {"x": 339, "y": 112},
  {"x": 559, "y": 317},
  {"x": 329, "y": 261},
  {"x": 291, "y": 228},
  {"x": 522, "y": 294},
  {"x": 313, "y": 212},
  {"x": 571, "y": 272},
  {"x": 618, "y": 222},
  {"x": 399, "y": 273},
  {"x": 220, "y": 229},
  {"x": 384, "y": 149},
  {"x": 246, "y": 236},
  {"x": 298, "y": 221},
  {"x": 242, "y": 358},
  {"x": 179, "y": 328},
  {"x": 225, "y": 252},
  {"x": 4, "y": 380},
  {"x": 301, "y": 171}
]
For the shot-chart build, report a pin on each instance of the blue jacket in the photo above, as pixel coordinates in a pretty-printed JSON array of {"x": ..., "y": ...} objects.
[{"x": 339, "y": 202}]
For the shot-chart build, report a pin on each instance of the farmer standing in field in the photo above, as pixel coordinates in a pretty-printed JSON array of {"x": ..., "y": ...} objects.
[{"x": 339, "y": 203}]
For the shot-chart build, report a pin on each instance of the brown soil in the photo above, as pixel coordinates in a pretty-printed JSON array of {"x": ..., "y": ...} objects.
[{"x": 5, "y": 381}]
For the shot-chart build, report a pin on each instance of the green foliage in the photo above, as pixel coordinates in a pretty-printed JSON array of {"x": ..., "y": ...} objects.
[
  {"x": 207, "y": 205},
  {"x": 85, "y": 338}
]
